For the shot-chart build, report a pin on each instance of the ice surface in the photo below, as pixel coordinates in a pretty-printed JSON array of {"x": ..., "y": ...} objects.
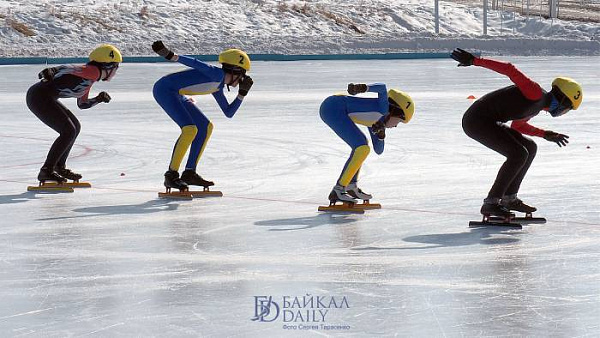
[{"x": 116, "y": 261}]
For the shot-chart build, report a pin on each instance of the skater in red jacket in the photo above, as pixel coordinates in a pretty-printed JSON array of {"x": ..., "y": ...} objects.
[{"x": 485, "y": 122}]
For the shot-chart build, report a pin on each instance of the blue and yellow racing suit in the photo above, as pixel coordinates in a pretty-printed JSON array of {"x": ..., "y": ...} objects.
[
  {"x": 170, "y": 92},
  {"x": 343, "y": 112}
]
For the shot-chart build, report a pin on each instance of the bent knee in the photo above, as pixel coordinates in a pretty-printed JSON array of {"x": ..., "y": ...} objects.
[{"x": 189, "y": 131}]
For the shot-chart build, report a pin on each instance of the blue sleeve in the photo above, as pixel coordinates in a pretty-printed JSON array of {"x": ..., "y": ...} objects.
[
  {"x": 377, "y": 143},
  {"x": 197, "y": 64},
  {"x": 382, "y": 96},
  {"x": 228, "y": 109}
]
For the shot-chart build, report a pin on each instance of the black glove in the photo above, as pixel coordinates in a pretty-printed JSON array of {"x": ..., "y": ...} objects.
[
  {"x": 159, "y": 48},
  {"x": 463, "y": 57},
  {"x": 378, "y": 129},
  {"x": 47, "y": 74},
  {"x": 103, "y": 97},
  {"x": 245, "y": 85},
  {"x": 354, "y": 89},
  {"x": 560, "y": 139}
]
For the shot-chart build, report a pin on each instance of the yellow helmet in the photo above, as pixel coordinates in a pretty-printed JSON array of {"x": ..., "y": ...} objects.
[
  {"x": 403, "y": 101},
  {"x": 105, "y": 54},
  {"x": 570, "y": 89},
  {"x": 235, "y": 57}
]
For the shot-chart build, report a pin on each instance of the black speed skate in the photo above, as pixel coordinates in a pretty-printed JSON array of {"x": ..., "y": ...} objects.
[
  {"x": 494, "y": 214},
  {"x": 190, "y": 177},
  {"x": 50, "y": 175},
  {"x": 172, "y": 180},
  {"x": 492, "y": 209},
  {"x": 517, "y": 205},
  {"x": 68, "y": 174}
]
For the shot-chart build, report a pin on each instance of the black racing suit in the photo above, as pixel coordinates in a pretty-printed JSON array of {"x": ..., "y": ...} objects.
[
  {"x": 484, "y": 122},
  {"x": 42, "y": 100}
]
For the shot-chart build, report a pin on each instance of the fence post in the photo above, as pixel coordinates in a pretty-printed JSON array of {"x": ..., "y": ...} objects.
[
  {"x": 485, "y": 13},
  {"x": 437, "y": 17},
  {"x": 553, "y": 8}
]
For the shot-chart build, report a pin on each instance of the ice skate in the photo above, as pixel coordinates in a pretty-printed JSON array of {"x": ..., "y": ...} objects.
[
  {"x": 172, "y": 181},
  {"x": 494, "y": 214},
  {"x": 517, "y": 205},
  {"x": 68, "y": 174},
  {"x": 354, "y": 191},
  {"x": 75, "y": 177},
  {"x": 190, "y": 177},
  {"x": 56, "y": 184},
  {"x": 339, "y": 194}
]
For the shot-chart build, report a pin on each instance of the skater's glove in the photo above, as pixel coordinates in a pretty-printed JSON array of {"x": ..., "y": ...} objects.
[
  {"x": 159, "y": 48},
  {"x": 103, "y": 97},
  {"x": 463, "y": 57},
  {"x": 378, "y": 129},
  {"x": 245, "y": 85},
  {"x": 47, "y": 74},
  {"x": 357, "y": 88},
  {"x": 559, "y": 139}
]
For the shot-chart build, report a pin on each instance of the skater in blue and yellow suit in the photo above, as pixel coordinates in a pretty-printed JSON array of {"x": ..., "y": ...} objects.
[
  {"x": 170, "y": 93},
  {"x": 343, "y": 112}
]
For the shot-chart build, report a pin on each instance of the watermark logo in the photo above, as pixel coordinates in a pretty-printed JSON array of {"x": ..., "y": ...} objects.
[
  {"x": 265, "y": 309},
  {"x": 306, "y": 312}
]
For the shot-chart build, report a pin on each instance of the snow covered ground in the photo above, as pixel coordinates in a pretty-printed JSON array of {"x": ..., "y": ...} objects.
[
  {"x": 116, "y": 261},
  {"x": 59, "y": 29}
]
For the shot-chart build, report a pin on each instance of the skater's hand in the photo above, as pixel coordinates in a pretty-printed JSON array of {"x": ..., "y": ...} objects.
[
  {"x": 378, "y": 129},
  {"x": 103, "y": 97},
  {"x": 47, "y": 74},
  {"x": 463, "y": 57},
  {"x": 354, "y": 89},
  {"x": 560, "y": 139},
  {"x": 159, "y": 48},
  {"x": 245, "y": 85}
]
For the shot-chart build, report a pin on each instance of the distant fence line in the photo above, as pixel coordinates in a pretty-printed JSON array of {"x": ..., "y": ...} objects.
[{"x": 254, "y": 57}]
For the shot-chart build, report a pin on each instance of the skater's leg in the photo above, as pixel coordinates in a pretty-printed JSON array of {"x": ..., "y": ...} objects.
[
  {"x": 201, "y": 140},
  {"x": 528, "y": 143},
  {"x": 46, "y": 107},
  {"x": 172, "y": 104},
  {"x": 333, "y": 114},
  {"x": 63, "y": 159},
  {"x": 500, "y": 139}
]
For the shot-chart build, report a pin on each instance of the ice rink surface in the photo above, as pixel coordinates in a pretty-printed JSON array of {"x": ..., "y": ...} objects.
[{"x": 115, "y": 260}]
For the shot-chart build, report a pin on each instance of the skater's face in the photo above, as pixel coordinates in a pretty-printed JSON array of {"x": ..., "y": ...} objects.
[
  {"x": 395, "y": 116},
  {"x": 392, "y": 121},
  {"x": 109, "y": 72},
  {"x": 234, "y": 77}
]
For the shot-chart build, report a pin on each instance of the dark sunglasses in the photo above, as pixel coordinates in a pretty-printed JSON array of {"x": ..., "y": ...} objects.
[{"x": 564, "y": 104}]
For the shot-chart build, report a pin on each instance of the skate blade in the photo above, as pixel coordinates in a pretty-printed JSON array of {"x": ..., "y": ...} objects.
[
  {"x": 523, "y": 220},
  {"x": 206, "y": 193},
  {"x": 368, "y": 206},
  {"x": 342, "y": 208},
  {"x": 69, "y": 184},
  {"x": 177, "y": 195},
  {"x": 49, "y": 188},
  {"x": 490, "y": 223}
]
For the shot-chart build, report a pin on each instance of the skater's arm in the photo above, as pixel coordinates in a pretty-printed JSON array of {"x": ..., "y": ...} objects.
[
  {"x": 198, "y": 65},
  {"x": 228, "y": 109},
  {"x": 382, "y": 97},
  {"x": 85, "y": 102},
  {"x": 527, "y": 86},
  {"x": 525, "y": 128},
  {"x": 378, "y": 143}
]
